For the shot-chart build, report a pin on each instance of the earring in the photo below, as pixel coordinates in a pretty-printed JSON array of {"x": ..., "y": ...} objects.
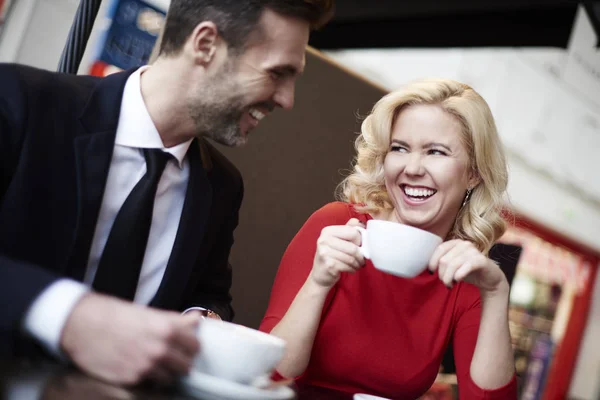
[{"x": 467, "y": 197}]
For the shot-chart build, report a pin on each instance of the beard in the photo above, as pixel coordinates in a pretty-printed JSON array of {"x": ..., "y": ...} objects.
[{"x": 218, "y": 109}]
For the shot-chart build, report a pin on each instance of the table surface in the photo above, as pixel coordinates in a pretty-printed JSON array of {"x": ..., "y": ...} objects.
[{"x": 22, "y": 379}]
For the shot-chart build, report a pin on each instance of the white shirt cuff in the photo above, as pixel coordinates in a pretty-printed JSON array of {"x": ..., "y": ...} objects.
[{"x": 48, "y": 313}]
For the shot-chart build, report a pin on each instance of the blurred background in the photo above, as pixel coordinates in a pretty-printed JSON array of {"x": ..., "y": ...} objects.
[{"x": 537, "y": 63}]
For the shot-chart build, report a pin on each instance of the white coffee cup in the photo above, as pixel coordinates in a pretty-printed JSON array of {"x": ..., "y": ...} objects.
[
  {"x": 235, "y": 352},
  {"x": 397, "y": 249}
]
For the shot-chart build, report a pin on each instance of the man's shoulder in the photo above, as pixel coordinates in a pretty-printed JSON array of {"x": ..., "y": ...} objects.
[
  {"x": 16, "y": 78},
  {"x": 22, "y": 73},
  {"x": 33, "y": 75},
  {"x": 218, "y": 164}
]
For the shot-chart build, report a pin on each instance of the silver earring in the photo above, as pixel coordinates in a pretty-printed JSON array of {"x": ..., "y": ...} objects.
[{"x": 467, "y": 197}]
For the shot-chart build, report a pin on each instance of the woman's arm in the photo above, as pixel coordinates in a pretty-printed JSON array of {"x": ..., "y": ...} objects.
[
  {"x": 485, "y": 372},
  {"x": 481, "y": 337},
  {"x": 298, "y": 328},
  {"x": 310, "y": 268},
  {"x": 493, "y": 363},
  {"x": 337, "y": 252}
]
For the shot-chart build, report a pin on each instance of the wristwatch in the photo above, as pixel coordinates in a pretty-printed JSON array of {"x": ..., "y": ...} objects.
[
  {"x": 210, "y": 314},
  {"x": 205, "y": 312}
]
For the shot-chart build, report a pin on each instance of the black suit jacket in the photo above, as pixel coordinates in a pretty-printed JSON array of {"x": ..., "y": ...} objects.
[{"x": 57, "y": 135}]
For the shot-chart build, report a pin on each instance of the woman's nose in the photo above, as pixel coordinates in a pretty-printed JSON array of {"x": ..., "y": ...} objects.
[{"x": 414, "y": 164}]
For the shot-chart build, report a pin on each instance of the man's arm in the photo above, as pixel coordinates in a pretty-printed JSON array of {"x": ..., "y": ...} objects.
[
  {"x": 131, "y": 343},
  {"x": 45, "y": 319},
  {"x": 21, "y": 283}
]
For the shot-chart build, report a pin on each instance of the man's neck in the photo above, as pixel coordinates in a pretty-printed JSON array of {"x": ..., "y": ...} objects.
[{"x": 164, "y": 97}]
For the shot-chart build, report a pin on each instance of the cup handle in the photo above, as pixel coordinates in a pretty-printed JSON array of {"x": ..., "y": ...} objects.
[{"x": 364, "y": 247}]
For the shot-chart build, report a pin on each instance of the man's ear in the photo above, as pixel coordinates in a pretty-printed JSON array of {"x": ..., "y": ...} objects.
[{"x": 204, "y": 42}]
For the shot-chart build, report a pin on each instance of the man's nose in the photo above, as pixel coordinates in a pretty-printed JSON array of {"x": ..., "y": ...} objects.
[{"x": 284, "y": 96}]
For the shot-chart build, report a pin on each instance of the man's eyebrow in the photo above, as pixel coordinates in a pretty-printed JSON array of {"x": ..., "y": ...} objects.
[{"x": 287, "y": 69}]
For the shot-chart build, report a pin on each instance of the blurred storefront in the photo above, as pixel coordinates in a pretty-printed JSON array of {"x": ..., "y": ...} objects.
[
  {"x": 4, "y": 8},
  {"x": 132, "y": 28},
  {"x": 548, "y": 309},
  {"x": 549, "y": 303}
]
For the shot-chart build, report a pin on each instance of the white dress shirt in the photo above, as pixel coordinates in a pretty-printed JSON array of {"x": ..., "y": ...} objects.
[{"x": 47, "y": 315}]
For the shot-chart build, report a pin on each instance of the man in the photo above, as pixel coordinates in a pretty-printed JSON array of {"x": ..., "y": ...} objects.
[{"x": 109, "y": 192}]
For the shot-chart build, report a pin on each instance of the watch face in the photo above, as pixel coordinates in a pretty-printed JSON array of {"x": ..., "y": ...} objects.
[
  {"x": 205, "y": 313},
  {"x": 212, "y": 314}
]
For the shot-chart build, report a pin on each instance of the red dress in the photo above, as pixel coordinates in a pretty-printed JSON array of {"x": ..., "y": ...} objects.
[{"x": 381, "y": 334}]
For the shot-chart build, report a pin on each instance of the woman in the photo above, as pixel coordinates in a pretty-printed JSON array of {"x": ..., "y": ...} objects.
[{"x": 429, "y": 156}]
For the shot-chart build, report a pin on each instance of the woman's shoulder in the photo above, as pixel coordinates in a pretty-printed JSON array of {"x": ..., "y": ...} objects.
[{"x": 338, "y": 212}]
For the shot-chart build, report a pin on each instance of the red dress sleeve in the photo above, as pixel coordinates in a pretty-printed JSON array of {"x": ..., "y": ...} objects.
[
  {"x": 464, "y": 341},
  {"x": 297, "y": 262}
]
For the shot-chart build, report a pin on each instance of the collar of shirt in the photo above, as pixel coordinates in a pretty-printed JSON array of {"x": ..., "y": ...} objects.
[{"x": 135, "y": 128}]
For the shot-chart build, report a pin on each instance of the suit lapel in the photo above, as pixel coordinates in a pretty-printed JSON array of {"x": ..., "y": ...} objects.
[
  {"x": 93, "y": 146},
  {"x": 192, "y": 226},
  {"x": 92, "y": 154}
]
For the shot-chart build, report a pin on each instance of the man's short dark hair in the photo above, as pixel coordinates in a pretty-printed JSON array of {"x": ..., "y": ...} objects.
[{"x": 235, "y": 19}]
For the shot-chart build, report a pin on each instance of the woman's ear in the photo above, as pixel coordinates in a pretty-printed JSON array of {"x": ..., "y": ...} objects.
[{"x": 474, "y": 180}]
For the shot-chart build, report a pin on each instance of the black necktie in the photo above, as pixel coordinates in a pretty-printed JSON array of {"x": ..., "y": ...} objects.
[{"x": 121, "y": 261}]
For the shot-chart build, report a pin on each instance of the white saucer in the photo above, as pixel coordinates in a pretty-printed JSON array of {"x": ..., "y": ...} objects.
[
  {"x": 208, "y": 387},
  {"x": 363, "y": 396}
]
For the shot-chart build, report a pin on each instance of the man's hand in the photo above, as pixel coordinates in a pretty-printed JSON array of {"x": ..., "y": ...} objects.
[{"x": 125, "y": 343}]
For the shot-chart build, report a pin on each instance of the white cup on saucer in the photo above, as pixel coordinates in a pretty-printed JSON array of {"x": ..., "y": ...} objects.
[
  {"x": 235, "y": 352},
  {"x": 397, "y": 249},
  {"x": 363, "y": 396}
]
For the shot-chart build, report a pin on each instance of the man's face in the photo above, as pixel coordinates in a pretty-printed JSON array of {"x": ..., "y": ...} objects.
[{"x": 250, "y": 85}]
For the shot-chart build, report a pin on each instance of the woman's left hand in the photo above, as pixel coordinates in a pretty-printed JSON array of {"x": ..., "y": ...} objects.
[{"x": 459, "y": 260}]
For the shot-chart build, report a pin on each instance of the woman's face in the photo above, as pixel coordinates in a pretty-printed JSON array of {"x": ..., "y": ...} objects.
[{"x": 427, "y": 169}]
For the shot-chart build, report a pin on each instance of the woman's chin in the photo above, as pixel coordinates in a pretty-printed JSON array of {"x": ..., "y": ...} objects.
[
  {"x": 421, "y": 222},
  {"x": 416, "y": 219}
]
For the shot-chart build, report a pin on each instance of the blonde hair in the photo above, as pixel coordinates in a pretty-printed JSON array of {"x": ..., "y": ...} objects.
[{"x": 479, "y": 220}]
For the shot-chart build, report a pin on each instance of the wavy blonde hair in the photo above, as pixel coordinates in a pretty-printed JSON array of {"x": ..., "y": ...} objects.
[{"x": 479, "y": 220}]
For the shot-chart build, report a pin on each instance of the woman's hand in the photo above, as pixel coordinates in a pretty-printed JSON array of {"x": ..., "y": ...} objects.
[
  {"x": 459, "y": 260},
  {"x": 337, "y": 252}
]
